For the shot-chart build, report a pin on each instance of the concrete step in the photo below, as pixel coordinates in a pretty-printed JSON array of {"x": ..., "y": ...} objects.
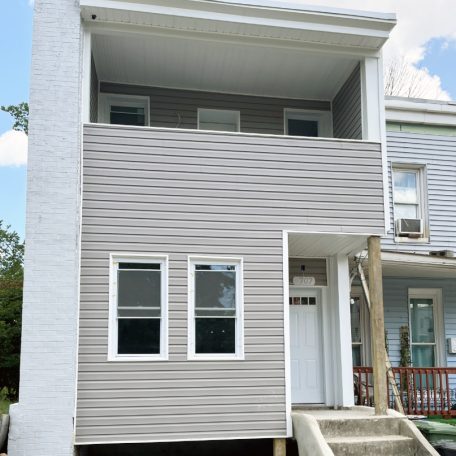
[
  {"x": 379, "y": 445},
  {"x": 359, "y": 426}
]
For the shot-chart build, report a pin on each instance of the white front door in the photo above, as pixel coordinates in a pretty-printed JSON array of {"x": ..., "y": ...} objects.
[{"x": 307, "y": 380}]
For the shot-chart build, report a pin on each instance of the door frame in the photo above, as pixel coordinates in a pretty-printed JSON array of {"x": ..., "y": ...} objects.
[{"x": 318, "y": 292}]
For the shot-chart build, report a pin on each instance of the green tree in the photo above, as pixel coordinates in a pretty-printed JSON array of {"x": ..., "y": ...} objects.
[
  {"x": 11, "y": 280},
  {"x": 20, "y": 114}
]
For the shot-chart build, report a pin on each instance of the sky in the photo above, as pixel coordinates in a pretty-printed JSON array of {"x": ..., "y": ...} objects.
[{"x": 424, "y": 38}]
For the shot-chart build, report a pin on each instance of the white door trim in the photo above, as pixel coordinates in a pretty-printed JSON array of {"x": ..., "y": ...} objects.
[{"x": 316, "y": 292}]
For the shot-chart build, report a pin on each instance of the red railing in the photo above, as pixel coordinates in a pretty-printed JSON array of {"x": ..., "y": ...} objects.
[{"x": 422, "y": 390}]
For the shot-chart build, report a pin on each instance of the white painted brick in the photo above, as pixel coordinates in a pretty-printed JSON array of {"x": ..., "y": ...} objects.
[{"x": 42, "y": 422}]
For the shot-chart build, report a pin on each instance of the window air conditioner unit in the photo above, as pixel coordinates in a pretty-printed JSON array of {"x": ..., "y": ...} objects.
[{"x": 412, "y": 228}]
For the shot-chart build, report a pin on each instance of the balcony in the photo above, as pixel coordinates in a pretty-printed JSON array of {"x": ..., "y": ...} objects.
[{"x": 232, "y": 180}]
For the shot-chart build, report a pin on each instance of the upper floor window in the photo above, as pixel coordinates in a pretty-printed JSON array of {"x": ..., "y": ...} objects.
[
  {"x": 307, "y": 123},
  {"x": 215, "y": 308},
  {"x": 124, "y": 109},
  {"x": 219, "y": 120},
  {"x": 409, "y": 202},
  {"x": 138, "y": 308}
]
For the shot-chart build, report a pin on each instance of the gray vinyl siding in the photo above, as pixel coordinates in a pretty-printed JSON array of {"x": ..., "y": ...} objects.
[
  {"x": 314, "y": 267},
  {"x": 346, "y": 106},
  {"x": 438, "y": 155},
  {"x": 182, "y": 193},
  {"x": 174, "y": 108},
  {"x": 93, "y": 92}
]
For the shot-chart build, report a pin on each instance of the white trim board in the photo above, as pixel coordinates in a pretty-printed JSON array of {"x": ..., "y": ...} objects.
[
  {"x": 418, "y": 111},
  {"x": 353, "y": 25}
]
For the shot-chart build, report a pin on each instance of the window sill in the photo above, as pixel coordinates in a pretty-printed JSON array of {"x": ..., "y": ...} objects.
[
  {"x": 137, "y": 358},
  {"x": 405, "y": 240},
  {"x": 215, "y": 357}
]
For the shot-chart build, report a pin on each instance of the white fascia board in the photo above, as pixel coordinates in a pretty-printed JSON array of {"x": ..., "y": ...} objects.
[
  {"x": 316, "y": 9},
  {"x": 420, "y": 111},
  {"x": 349, "y": 25}
]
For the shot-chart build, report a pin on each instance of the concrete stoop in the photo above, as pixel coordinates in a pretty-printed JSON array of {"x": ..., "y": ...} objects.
[{"x": 357, "y": 432}]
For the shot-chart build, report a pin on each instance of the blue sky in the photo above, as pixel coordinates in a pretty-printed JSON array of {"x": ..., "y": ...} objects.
[
  {"x": 439, "y": 58},
  {"x": 15, "y": 53}
]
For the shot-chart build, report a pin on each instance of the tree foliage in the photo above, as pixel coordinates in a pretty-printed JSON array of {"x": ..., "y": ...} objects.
[
  {"x": 11, "y": 280},
  {"x": 20, "y": 113}
]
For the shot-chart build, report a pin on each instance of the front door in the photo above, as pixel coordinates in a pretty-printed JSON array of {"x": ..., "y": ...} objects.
[{"x": 307, "y": 380}]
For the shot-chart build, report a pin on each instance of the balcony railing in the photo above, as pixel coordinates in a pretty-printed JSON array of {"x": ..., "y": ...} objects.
[{"x": 422, "y": 390}]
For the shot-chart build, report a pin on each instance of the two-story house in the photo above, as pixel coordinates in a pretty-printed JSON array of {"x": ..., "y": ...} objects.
[
  {"x": 419, "y": 264},
  {"x": 200, "y": 173}
]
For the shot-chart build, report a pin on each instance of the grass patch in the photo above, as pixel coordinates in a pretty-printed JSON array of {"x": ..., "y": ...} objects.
[{"x": 440, "y": 419}]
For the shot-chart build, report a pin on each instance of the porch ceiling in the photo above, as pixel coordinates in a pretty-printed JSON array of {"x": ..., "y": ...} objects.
[
  {"x": 324, "y": 245},
  {"x": 217, "y": 65}
]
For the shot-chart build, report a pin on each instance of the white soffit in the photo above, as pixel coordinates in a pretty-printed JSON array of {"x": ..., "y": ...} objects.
[
  {"x": 169, "y": 61},
  {"x": 430, "y": 112},
  {"x": 325, "y": 245},
  {"x": 248, "y": 19}
]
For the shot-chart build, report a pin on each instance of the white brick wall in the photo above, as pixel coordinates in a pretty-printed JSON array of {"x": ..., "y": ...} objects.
[{"x": 42, "y": 422}]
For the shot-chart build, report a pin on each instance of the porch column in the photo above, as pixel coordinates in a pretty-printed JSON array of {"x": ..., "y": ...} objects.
[{"x": 377, "y": 325}]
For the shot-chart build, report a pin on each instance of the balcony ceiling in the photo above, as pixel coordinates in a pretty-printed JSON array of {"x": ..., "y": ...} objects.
[{"x": 166, "y": 60}]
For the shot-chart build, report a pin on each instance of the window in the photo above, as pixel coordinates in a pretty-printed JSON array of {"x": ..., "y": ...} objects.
[
  {"x": 219, "y": 120},
  {"x": 138, "y": 308},
  {"x": 124, "y": 109},
  {"x": 409, "y": 202},
  {"x": 426, "y": 327},
  {"x": 215, "y": 308},
  {"x": 359, "y": 319},
  {"x": 307, "y": 123}
]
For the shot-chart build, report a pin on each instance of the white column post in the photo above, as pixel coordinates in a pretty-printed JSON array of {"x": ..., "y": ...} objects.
[{"x": 341, "y": 292}]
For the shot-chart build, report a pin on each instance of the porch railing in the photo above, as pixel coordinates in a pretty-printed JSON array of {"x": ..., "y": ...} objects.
[{"x": 423, "y": 390}]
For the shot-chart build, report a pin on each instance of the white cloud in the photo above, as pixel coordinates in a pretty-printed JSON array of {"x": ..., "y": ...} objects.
[
  {"x": 418, "y": 21},
  {"x": 13, "y": 148}
]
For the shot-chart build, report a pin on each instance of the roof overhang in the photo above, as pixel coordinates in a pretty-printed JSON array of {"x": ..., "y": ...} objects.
[
  {"x": 320, "y": 245},
  {"x": 417, "y": 111},
  {"x": 320, "y": 26},
  {"x": 417, "y": 265}
]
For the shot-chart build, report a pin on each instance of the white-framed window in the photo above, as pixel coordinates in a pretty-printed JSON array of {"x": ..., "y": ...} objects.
[
  {"x": 426, "y": 327},
  {"x": 124, "y": 109},
  {"x": 359, "y": 319},
  {"x": 138, "y": 307},
  {"x": 409, "y": 202},
  {"x": 298, "y": 122},
  {"x": 216, "y": 308},
  {"x": 219, "y": 120}
]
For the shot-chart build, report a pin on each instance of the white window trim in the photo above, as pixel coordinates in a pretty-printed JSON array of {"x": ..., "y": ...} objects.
[
  {"x": 114, "y": 260},
  {"x": 231, "y": 261},
  {"x": 439, "y": 327},
  {"x": 357, "y": 292},
  {"x": 232, "y": 111},
  {"x": 106, "y": 100},
  {"x": 420, "y": 170},
  {"x": 324, "y": 119}
]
